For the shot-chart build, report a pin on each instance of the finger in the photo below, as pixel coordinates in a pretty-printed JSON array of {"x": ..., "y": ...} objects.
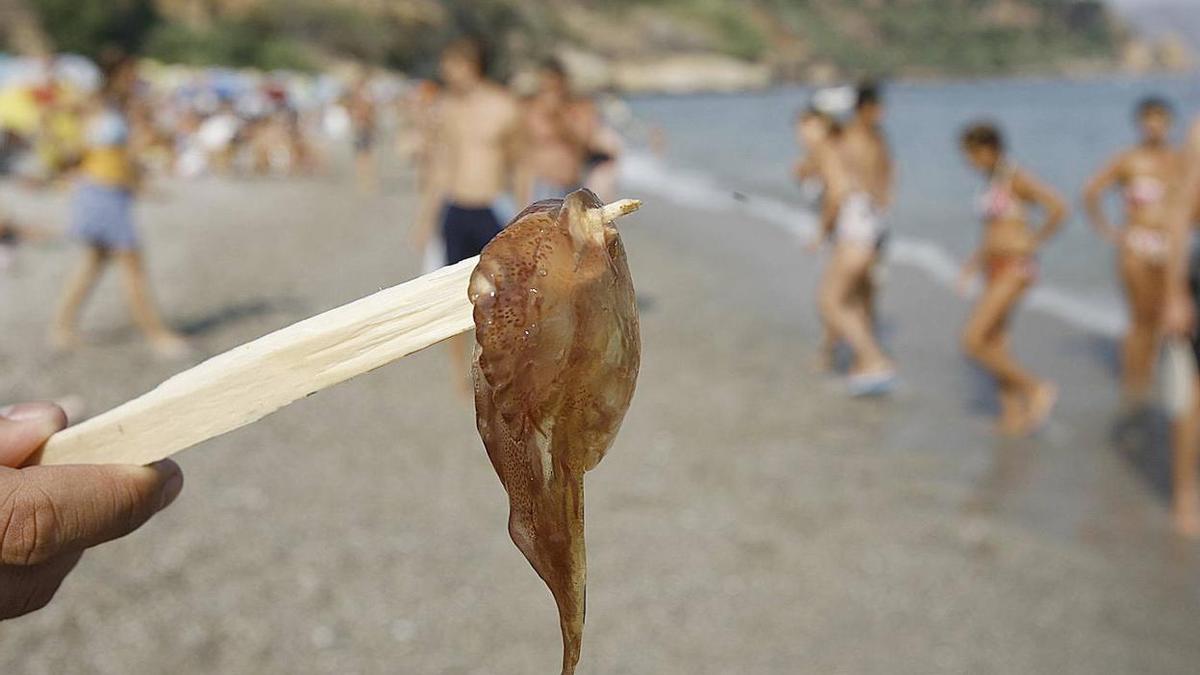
[
  {"x": 49, "y": 510},
  {"x": 28, "y": 589},
  {"x": 24, "y": 428}
]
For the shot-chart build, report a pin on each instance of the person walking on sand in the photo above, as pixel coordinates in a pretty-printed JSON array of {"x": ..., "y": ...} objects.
[
  {"x": 102, "y": 217},
  {"x": 364, "y": 118},
  {"x": 472, "y": 167},
  {"x": 1143, "y": 173},
  {"x": 869, "y": 160},
  {"x": 851, "y": 222},
  {"x": 1007, "y": 257},
  {"x": 1179, "y": 321}
]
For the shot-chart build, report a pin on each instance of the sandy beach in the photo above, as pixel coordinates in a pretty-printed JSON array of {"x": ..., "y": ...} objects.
[{"x": 750, "y": 519}]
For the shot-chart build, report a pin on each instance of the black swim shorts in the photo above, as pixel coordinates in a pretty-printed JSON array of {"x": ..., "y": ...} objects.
[{"x": 466, "y": 230}]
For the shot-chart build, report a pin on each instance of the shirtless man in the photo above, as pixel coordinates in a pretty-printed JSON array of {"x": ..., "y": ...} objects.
[
  {"x": 472, "y": 167},
  {"x": 557, "y": 130},
  {"x": 1182, "y": 286},
  {"x": 869, "y": 161},
  {"x": 857, "y": 181}
]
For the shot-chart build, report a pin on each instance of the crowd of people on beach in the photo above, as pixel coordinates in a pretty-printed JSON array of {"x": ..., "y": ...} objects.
[
  {"x": 103, "y": 129},
  {"x": 482, "y": 150},
  {"x": 846, "y": 155}
]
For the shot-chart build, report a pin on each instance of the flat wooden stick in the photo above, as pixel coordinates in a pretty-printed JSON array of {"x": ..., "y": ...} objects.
[{"x": 249, "y": 382}]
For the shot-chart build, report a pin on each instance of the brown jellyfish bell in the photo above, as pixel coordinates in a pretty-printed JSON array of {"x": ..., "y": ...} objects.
[{"x": 556, "y": 361}]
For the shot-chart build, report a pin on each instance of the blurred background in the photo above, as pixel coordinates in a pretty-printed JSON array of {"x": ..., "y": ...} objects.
[{"x": 751, "y": 518}]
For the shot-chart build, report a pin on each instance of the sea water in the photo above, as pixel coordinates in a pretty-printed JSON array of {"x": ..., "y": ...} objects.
[{"x": 735, "y": 153}]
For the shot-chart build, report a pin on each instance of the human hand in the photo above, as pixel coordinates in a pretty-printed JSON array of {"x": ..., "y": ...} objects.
[{"x": 50, "y": 514}]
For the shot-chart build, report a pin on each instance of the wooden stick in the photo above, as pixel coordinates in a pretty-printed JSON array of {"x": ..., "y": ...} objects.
[{"x": 249, "y": 382}]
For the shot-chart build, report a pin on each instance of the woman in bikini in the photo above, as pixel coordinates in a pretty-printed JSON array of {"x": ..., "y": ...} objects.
[
  {"x": 1007, "y": 258},
  {"x": 1142, "y": 173}
]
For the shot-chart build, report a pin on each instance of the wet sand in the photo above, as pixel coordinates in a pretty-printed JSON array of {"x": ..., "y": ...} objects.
[{"x": 749, "y": 520}]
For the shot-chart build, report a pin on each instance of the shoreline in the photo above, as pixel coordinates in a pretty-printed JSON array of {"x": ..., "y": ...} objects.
[
  {"x": 926, "y": 256},
  {"x": 749, "y": 518},
  {"x": 1100, "y": 75}
]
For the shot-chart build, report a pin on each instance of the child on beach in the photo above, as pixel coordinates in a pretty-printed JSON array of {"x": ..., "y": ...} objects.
[
  {"x": 1008, "y": 260},
  {"x": 1143, "y": 173},
  {"x": 102, "y": 217}
]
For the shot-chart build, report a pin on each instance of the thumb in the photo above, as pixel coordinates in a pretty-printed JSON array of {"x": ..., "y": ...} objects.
[
  {"x": 58, "y": 509},
  {"x": 24, "y": 429}
]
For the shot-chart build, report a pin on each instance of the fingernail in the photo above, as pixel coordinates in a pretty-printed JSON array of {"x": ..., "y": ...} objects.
[
  {"x": 23, "y": 412},
  {"x": 172, "y": 486},
  {"x": 33, "y": 412}
]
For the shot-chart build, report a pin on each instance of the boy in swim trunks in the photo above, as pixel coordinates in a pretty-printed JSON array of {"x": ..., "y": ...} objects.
[
  {"x": 473, "y": 157},
  {"x": 472, "y": 166}
]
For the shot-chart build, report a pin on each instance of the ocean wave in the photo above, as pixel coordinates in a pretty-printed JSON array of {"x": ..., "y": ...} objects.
[{"x": 696, "y": 189}]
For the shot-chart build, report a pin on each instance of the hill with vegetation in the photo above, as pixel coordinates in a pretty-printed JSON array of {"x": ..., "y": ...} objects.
[{"x": 793, "y": 39}]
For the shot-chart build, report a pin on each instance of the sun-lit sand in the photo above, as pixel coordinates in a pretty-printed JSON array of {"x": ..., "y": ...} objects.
[{"x": 749, "y": 520}]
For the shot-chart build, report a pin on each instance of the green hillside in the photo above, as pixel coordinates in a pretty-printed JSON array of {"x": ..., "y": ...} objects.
[{"x": 795, "y": 37}]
